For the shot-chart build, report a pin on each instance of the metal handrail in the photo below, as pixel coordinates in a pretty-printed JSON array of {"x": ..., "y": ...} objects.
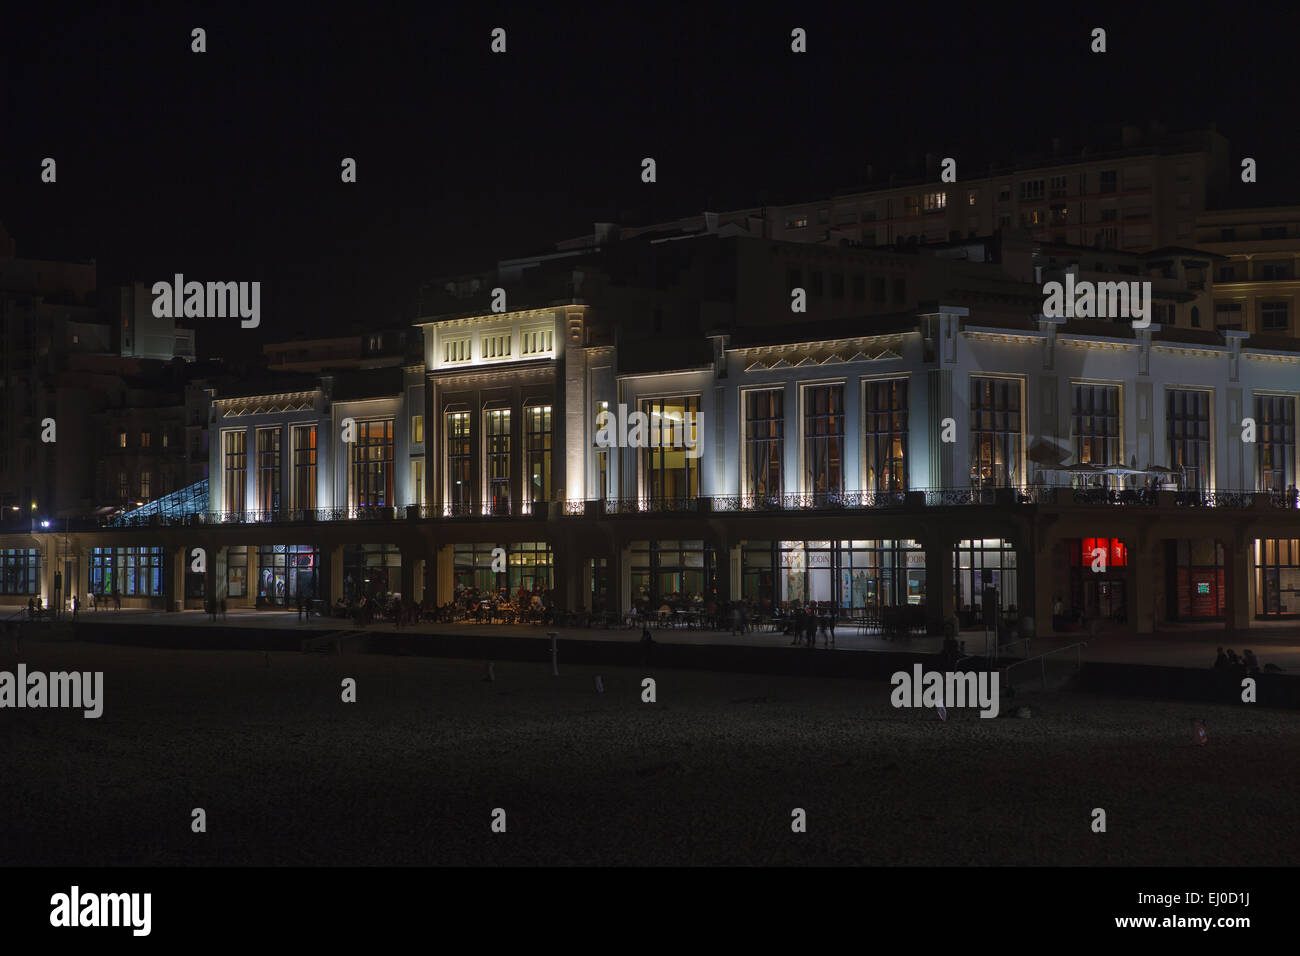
[{"x": 1042, "y": 659}]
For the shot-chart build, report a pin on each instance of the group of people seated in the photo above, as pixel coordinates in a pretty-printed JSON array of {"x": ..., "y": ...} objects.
[{"x": 1247, "y": 663}]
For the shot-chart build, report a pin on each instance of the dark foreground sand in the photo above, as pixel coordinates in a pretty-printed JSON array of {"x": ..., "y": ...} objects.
[{"x": 410, "y": 774}]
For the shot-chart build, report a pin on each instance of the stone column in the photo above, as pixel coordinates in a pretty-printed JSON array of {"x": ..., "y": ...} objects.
[
  {"x": 1237, "y": 610},
  {"x": 939, "y": 597}
]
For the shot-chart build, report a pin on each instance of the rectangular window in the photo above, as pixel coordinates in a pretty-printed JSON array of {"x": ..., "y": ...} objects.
[
  {"x": 1275, "y": 270},
  {"x": 268, "y": 471},
  {"x": 417, "y": 429},
  {"x": 1227, "y": 274},
  {"x": 1273, "y": 316},
  {"x": 996, "y": 438},
  {"x": 823, "y": 430},
  {"x": 935, "y": 202},
  {"x": 146, "y": 479},
  {"x": 837, "y": 285},
  {"x": 884, "y": 420},
  {"x": 235, "y": 469},
  {"x": 496, "y": 434},
  {"x": 534, "y": 342},
  {"x": 456, "y": 350},
  {"x": 460, "y": 457},
  {"x": 878, "y": 289},
  {"x": 911, "y": 205},
  {"x": 1187, "y": 423},
  {"x": 670, "y": 473},
  {"x": 1227, "y": 315},
  {"x": 304, "y": 467},
  {"x": 417, "y": 481},
  {"x": 537, "y": 449},
  {"x": 797, "y": 222},
  {"x": 121, "y": 438},
  {"x": 972, "y": 197},
  {"x": 1095, "y": 425},
  {"x": 1109, "y": 181},
  {"x": 1031, "y": 189},
  {"x": 764, "y": 442},
  {"x": 495, "y": 345},
  {"x": 123, "y": 486},
  {"x": 859, "y": 288},
  {"x": 1272, "y": 232},
  {"x": 372, "y": 465},
  {"x": 1275, "y": 424},
  {"x": 146, "y": 439}
]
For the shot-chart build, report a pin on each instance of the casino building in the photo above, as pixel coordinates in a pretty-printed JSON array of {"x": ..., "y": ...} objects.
[{"x": 920, "y": 432}]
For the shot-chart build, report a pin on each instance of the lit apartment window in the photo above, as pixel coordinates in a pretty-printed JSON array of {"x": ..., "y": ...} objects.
[
  {"x": 417, "y": 429},
  {"x": 1275, "y": 421},
  {"x": 268, "y": 470},
  {"x": 972, "y": 197},
  {"x": 934, "y": 202},
  {"x": 496, "y": 435},
  {"x": 823, "y": 431},
  {"x": 460, "y": 457},
  {"x": 797, "y": 222},
  {"x": 1273, "y": 316},
  {"x": 304, "y": 467},
  {"x": 670, "y": 473},
  {"x": 456, "y": 350},
  {"x": 372, "y": 465},
  {"x": 417, "y": 481},
  {"x": 121, "y": 438},
  {"x": 146, "y": 439},
  {"x": 146, "y": 481},
  {"x": 996, "y": 435},
  {"x": 537, "y": 450},
  {"x": 764, "y": 441},
  {"x": 1095, "y": 425},
  {"x": 884, "y": 431},
  {"x": 535, "y": 342},
  {"x": 234, "y": 468},
  {"x": 496, "y": 345},
  {"x": 165, "y": 442},
  {"x": 1187, "y": 423}
]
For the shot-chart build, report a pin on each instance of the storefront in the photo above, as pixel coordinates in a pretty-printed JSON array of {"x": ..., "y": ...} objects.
[
  {"x": 1098, "y": 578},
  {"x": 978, "y": 563},
  {"x": 854, "y": 575},
  {"x": 1194, "y": 579},
  {"x": 528, "y": 565},
  {"x": 1277, "y": 577},
  {"x": 20, "y": 571},
  {"x": 676, "y": 573},
  {"x": 129, "y": 572},
  {"x": 371, "y": 569},
  {"x": 287, "y": 572}
]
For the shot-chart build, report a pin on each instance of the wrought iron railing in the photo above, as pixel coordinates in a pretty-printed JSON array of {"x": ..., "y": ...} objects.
[{"x": 785, "y": 503}]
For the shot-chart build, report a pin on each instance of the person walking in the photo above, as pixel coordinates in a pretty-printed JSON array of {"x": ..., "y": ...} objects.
[{"x": 75, "y": 604}]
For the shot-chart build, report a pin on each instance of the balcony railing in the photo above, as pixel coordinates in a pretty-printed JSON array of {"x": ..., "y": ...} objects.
[{"x": 834, "y": 502}]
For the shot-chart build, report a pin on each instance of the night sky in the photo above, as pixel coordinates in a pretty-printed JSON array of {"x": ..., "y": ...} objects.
[{"x": 225, "y": 165}]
